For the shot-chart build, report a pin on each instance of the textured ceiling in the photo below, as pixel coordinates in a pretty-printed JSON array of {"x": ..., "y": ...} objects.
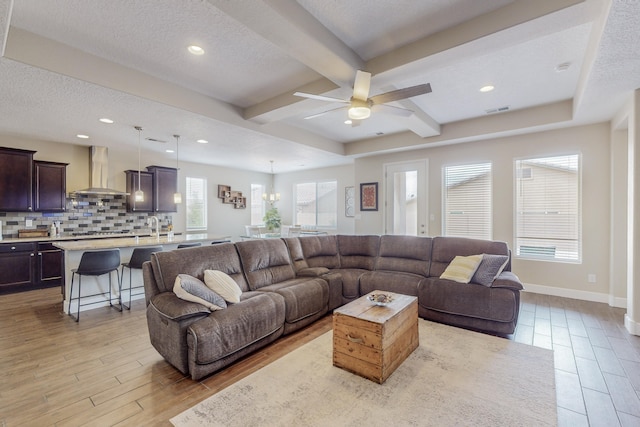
[{"x": 67, "y": 63}]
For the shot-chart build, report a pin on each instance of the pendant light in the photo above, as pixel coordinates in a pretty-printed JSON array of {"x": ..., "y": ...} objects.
[
  {"x": 177, "y": 196},
  {"x": 271, "y": 197},
  {"x": 139, "y": 195}
]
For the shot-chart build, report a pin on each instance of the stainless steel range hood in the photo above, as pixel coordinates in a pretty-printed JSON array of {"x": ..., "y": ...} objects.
[{"x": 99, "y": 174}]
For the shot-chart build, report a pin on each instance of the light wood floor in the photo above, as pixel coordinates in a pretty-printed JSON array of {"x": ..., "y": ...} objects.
[{"x": 103, "y": 371}]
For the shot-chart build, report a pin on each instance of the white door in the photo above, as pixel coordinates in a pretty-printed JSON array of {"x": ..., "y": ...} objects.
[{"x": 406, "y": 198}]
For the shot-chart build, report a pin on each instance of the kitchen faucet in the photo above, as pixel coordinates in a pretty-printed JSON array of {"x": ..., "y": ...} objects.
[{"x": 150, "y": 222}]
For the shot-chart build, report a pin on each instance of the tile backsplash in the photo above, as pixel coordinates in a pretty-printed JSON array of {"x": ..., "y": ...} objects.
[{"x": 85, "y": 214}]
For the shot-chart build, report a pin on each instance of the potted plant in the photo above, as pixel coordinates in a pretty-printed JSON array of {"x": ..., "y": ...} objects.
[{"x": 272, "y": 220}]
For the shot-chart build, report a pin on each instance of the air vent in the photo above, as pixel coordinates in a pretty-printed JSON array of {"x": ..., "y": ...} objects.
[
  {"x": 498, "y": 110},
  {"x": 379, "y": 133}
]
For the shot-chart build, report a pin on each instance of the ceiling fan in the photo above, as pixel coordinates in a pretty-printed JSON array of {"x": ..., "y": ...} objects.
[{"x": 360, "y": 105}]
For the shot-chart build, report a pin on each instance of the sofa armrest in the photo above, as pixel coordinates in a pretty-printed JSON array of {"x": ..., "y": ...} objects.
[
  {"x": 312, "y": 272},
  {"x": 507, "y": 279},
  {"x": 173, "y": 308}
]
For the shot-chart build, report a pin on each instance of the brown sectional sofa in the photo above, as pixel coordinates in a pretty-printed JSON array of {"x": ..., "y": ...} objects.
[{"x": 289, "y": 283}]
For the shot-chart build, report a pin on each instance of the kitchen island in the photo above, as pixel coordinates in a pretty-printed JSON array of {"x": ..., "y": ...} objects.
[{"x": 73, "y": 250}]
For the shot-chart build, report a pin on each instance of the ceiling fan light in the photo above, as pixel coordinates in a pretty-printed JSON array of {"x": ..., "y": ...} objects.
[{"x": 359, "y": 113}]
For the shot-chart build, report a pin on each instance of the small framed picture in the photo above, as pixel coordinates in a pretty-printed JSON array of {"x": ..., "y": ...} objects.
[
  {"x": 349, "y": 202},
  {"x": 369, "y": 196}
]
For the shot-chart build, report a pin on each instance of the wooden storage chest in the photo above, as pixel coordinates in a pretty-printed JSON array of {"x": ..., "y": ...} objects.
[{"x": 372, "y": 341}]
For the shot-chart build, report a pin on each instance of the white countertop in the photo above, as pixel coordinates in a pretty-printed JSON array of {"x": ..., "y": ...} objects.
[{"x": 126, "y": 242}]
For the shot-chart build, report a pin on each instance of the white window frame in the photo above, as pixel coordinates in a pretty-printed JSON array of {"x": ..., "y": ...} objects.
[
  {"x": 478, "y": 206},
  {"x": 257, "y": 204},
  {"x": 189, "y": 200},
  {"x": 565, "y": 209},
  {"x": 295, "y": 204}
]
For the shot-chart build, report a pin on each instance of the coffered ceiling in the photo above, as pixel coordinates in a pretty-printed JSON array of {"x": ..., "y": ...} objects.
[{"x": 67, "y": 63}]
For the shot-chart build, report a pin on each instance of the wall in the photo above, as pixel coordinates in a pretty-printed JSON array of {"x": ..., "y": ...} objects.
[{"x": 562, "y": 279}]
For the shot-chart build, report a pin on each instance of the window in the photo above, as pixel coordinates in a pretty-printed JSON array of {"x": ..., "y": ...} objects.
[
  {"x": 257, "y": 204},
  {"x": 467, "y": 201},
  {"x": 317, "y": 204},
  {"x": 196, "y": 203},
  {"x": 548, "y": 217}
]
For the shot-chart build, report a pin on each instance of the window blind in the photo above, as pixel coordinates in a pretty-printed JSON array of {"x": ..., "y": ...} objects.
[
  {"x": 467, "y": 201},
  {"x": 548, "y": 213},
  {"x": 317, "y": 204},
  {"x": 196, "y": 203}
]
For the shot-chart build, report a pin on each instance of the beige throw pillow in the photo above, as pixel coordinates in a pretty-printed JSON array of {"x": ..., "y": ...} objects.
[
  {"x": 221, "y": 283},
  {"x": 462, "y": 268}
]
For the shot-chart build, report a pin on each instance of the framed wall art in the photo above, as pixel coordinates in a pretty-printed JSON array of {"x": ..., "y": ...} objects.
[
  {"x": 349, "y": 201},
  {"x": 369, "y": 196}
]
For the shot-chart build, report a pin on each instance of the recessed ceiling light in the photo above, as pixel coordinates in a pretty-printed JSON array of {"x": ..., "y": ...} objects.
[
  {"x": 82, "y": 136},
  {"x": 106, "y": 120},
  {"x": 196, "y": 50},
  {"x": 169, "y": 150},
  {"x": 348, "y": 122},
  {"x": 203, "y": 141},
  {"x": 487, "y": 88}
]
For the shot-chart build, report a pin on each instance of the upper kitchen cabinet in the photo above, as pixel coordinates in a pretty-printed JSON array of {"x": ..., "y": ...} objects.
[
  {"x": 16, "y": 174},
  {"x": 146, "y": 185},
  {"x": 49, "y": 186},
  {"x": 165, "y": 185}
]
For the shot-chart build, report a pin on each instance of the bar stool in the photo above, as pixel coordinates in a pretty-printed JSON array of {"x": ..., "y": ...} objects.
[
  {"x": 138, "y": 257},
  {"x": 189, "y": 245},
  {"x": 95, "y": 263}
]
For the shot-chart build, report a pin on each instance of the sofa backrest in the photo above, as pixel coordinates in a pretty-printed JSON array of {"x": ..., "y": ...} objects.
[
  {"x": 445, "y": 249},
  {"x": 265, "y": 261},
  {"x": 358, "y": 251},
  {"x": 320, "y": 251},
  {"x": 167, "y": 265},
  {"x": 409, "y": 254}
]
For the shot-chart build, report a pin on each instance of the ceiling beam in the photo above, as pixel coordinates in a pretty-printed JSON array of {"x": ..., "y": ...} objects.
[{"x": 6, "y": 7}]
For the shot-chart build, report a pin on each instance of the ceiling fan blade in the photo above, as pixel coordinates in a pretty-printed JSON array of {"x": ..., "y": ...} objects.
[
  {"x": 361, "y": 85},
  {"x": 396, "y": 95},
  {"x": 390, "y": 109},
  {"x": 313, "y": 116},
  {"x": 320, "y": 97}
]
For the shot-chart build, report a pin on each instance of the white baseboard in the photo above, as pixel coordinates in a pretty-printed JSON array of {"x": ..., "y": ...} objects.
[
  {"x": 631, "y": 326},
  {"x": 576, "y": 294}
]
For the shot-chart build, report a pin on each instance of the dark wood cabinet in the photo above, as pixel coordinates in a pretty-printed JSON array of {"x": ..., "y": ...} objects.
[
  {"x": 30, "y": 265},
  {"x": 49, "y": 186},
  {"x": 50, "y": 265},
  {"x": 165, "y": 185},
  {"x": 146, "y": 185},
  {"x": 17, "y": 263},
  {"x": 16, "y": 175}
]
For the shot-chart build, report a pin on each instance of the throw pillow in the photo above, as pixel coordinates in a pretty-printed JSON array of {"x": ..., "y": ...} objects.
[
  {"x": 190, "y": 288},
  {"x": 223, "y": 284},
  {"x": 462, "y": 268},
  {"x": 490, "y": 267}
]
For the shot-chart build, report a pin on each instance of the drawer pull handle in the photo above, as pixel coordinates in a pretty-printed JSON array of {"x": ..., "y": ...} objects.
[{"x": 354, "y": 339}]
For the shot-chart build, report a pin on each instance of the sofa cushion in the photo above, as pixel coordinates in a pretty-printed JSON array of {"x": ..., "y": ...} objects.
[
  {"x": 320, "y": 251},
  {"x": 167, "y": 265},
  {"x": 189, "y": 288},
  {"x": 490, "y": 267},
  {"x": 396, "y": 281},
  {"x": 226, "y": 332},
  {"x": 408, "y": 254},
  {"x": 265, "y": 262},
  {"x": 358, "y": 251},
  {"x": 462, "y": 268},
  {"x": 445, "y": 249},
  {"x": 303, "y": 297},
  {"x": 221, "y": 283}
]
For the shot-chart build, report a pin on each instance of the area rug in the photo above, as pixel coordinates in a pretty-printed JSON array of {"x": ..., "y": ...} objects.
[{"x": 454, "y": 378}]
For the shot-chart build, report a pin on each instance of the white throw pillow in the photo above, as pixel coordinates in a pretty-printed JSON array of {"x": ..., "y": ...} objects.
[
  {"x": 192, "y": 289},
  {"x": 221, "y": 283},
  {"x": 462, "y": 268}
]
